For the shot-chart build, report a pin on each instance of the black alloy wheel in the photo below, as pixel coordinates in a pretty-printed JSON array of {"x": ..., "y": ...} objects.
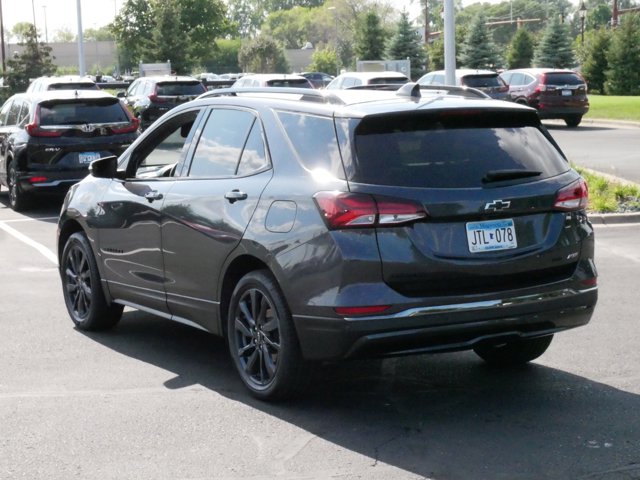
[
  {"x": 512, "y": 353},
  {"x": 17, "y": 198},
  {"x": 262, "y": 340},
  {"x": 82, "y": 288}
]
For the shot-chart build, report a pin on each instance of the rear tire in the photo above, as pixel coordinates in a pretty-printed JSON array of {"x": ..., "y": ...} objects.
[
  {"x": 17, "y": 198},
  {"x": 262, "y": 340},
  {"x": 573, "y": 120},
  {"x": 82, "y": 287},
  {"x": 516, "y": 352}
]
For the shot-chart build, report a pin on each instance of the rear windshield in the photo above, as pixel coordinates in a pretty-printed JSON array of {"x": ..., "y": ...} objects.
[
  {"x": 562, "y": 79},
  {"x": 388, "y": 81},
  {"x": 79, "y": 113},
  {"x": 455, "y": 154},
  {"x": 73, "y": 86},
  {"x": 479, "y": 81},
  {"x": 297, "y": 83},
  {"x": 180, "y": 88}
]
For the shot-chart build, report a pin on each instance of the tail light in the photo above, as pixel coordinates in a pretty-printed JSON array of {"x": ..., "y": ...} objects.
[
  {"x": 35, "y": 130},
  {"x": 155, "y": 98},
  {"x": 132, "y": 127},
  {"x": 357, "y": 210},
  {"x": 573, "y": 197}
]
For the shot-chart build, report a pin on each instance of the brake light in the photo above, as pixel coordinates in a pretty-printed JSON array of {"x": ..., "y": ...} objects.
[
  {"x": 573, "y": 197},
  {"x": 37, "y": 179},
  {"x": 155, "y": 98},
  {"x": 357, "y": 210},
  {"x": 35, "y": 130},
  {"x": 132, "y": 127}
]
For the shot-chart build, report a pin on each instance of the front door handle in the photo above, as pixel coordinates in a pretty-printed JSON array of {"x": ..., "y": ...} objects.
[
  {"x": 153, "y": 195},
  {"x": 235, "y": 195}
]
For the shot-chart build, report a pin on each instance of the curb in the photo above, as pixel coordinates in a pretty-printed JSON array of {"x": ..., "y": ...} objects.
[
  {"x": 618, "y": 123},
  {"x": 614, "y": 218}
]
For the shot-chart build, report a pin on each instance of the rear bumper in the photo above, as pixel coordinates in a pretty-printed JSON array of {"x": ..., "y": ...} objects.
[
  {"x": 445, "y": 327},
  {"x": 50, "y": 181}
]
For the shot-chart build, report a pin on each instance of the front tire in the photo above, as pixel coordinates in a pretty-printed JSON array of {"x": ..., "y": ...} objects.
[
  {"x": 82, "y": 288},
  {"x": 516, "y": 352},
  {"x": 262, "y": 340},
  {"x": 17, "y": 198}
]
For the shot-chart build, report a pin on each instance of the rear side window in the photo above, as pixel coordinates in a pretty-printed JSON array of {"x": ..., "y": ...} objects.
[
  {"x": 561, "y": 79},
  {"x": 296, "y": 83},
  {"x": 82, "y": 112},
  {"x": 180, "y": 88},
  {"x": 314, "y": 140},
  {"x": 428, "y": 153}
]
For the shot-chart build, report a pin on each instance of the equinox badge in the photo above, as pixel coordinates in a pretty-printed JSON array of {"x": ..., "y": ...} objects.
[{"x": 497, "y": 205}]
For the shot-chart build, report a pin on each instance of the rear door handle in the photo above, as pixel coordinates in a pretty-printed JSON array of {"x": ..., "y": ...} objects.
[
  {"x": 235, "y": 195},
  {"x": 153, "y": 195}
]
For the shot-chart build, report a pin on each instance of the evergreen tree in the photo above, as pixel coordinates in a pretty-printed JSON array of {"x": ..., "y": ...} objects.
[
  {"x": 407, "y": 43},
  {"x": 595, "y": 64},
  {"x": 478, "y": 49},
  {"x": 520, "y": 53},
  {"x": 35, "y": 61},
  {"x": 554, "y": 49},
  {"x": 370, "y": 37},
  {"x": 623, "y": 76}
]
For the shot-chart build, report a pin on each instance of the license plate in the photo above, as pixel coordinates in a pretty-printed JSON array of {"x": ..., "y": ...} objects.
[
  {"x": 491, "y": 235},
  {"x": 88, "y": 157},
  {"x": 567, "y": 93}
]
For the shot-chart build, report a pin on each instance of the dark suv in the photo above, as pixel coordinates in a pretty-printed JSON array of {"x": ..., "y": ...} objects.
[
  {"x": 149, "y": 98},
  {"x": 308, "y": 225},
  {"x": 556, "y": 94},
  {"x": 48, "y": 139}
]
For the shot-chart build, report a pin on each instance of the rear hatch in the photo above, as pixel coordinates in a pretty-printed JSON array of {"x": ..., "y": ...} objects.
[
  {"x": 177, "y": 92},
  {"x": 491, "y": 84},
  {"x": 71, "y": 133},
  {"x": 564, "y": 89},
  {"x": 495, "y": 191}
]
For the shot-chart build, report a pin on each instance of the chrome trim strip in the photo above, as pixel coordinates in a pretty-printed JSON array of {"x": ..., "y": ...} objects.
[
  {"x": 158, "y": 313},
  {"x": 458, "y": 307},
  {"x": 55, "y": 183}
]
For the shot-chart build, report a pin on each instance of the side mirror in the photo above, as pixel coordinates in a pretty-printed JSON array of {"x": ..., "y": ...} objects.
[
  {"x": 121, "y": 94},
  {"x": 106, "y": 167}
]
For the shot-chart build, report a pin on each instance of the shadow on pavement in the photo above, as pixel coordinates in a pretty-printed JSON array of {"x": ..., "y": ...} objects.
[
  {"x": 444, "y": 416},
  {"x": 43, "y": 208}
]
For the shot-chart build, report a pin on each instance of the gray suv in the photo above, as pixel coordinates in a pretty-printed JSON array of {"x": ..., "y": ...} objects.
[{"x": 307, "y": 225}]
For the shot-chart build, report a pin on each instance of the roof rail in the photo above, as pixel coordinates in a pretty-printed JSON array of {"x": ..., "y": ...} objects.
[{"x": 304, "y": 94}]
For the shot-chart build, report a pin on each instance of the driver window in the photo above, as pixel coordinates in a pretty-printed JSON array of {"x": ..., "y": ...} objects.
[{"x": 162, "y": 152}]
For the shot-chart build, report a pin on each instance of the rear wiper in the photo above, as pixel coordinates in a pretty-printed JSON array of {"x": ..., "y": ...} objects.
[{"x": 500, "y": 175}]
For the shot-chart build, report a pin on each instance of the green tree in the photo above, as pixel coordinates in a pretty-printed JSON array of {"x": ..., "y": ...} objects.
[
  {"x": 370, "y": 38},
  {"x": 101, "y": 34},
  {"x": 407, "y": 43},
  {"x": 21, "y": 31},
  {"x": 224, "y": 57},
  {"x": 520, "y": 52},
  {"x": 478, "y": 49},
  {"x": 324, "y": 60},
  {"x": 623, "y": 76},
  {"x": 64, "y": 35},
  {"x": 595, "y": 62},
  {"x": 34, "y": 61},
  {"x": 131, "y": 28},
  {"x": 554, "y": 49},
  {"x": 293, "y": 28},
  {"x": 262, "y": 54}
]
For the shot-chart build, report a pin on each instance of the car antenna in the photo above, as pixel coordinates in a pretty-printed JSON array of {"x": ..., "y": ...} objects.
[{"x": 409, "y": 90}]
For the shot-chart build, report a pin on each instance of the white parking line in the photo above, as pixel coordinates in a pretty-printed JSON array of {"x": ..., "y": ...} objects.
[
  {"x": 17, "y": 220},
  {"x": 32, "y": 243}
]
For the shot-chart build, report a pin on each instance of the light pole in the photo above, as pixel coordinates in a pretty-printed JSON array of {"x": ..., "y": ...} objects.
[
  {"x": 46, "y": 32},
  {"x": 582, "y": 13},
  {"x": 335, "y": 18}
]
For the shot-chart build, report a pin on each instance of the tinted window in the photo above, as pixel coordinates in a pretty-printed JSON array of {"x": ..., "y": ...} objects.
[
  {"x": 253, "y": 156},
  {"x": 14, "y": 113},
  {"x": 180, "y": 88},
  {"x": 221, "y": 143},
  {"x": 429, "y": 154},
  {"x": 388, "y": 81},
  {"x": 73, "y": 86},
  {"x": 297, "y": 83},
  {"x": 314, "y": 140},
  {"x": 562, "y": 79},
  {"x": 477, "y": 81},
  {"x": 69, "y": 113}
]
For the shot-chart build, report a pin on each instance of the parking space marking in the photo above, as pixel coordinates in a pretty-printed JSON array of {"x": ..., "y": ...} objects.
[
  {"x": 17, "y": 220},
  {"x": 32, "y": 243}
]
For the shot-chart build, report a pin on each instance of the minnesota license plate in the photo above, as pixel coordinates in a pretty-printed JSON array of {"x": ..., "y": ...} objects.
[
  {"x": 491, "y": 235},
  {"x": 88, "y": 157},
  {"x": 567, "y": 93}
]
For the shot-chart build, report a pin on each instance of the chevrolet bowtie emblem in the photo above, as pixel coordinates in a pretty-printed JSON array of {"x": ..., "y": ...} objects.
[{"x": 497, "y": 205}]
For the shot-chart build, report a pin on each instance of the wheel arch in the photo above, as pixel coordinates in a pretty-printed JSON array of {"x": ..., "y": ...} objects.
[
  {"x": 68, "y": 228},
  {"x": 237, "y": 269}
]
